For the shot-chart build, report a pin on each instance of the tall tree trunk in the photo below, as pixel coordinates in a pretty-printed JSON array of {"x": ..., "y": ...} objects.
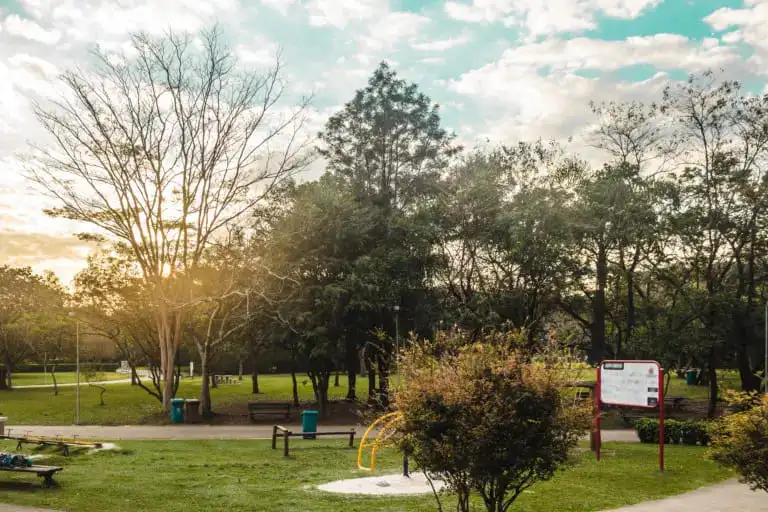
[
  {"x": 371, "y": 378},
  {"x": 255, "y": 382},
  {"x": 712, "y": 374},
  {"x": 749, "y": 381},
  {"x": 336, "y": 380},
  {"x": 3, "y": 377},
  {"x": 383, "y": 382},
  {"x": 598, "y": 308},
  {"x": 351, "y": 383},
  {"x": 295, "y": 388},
  {"x": 206, "y": 410},
  {"x": 55, "y": 383},
  {"x": 351, "y": 368}
]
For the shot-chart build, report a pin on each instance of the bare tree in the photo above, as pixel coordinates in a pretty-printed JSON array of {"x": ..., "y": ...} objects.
[{"x": 160, "y": 148}]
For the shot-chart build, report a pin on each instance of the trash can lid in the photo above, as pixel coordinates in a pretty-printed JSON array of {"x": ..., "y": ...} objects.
[
  {"x": 177, "y": 401},
  {"x": 193, "y": 401},
  {"x": 310, "y": 413}
]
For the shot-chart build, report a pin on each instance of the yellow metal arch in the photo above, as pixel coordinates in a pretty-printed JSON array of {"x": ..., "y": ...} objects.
[{"x": 387, "y": 422}]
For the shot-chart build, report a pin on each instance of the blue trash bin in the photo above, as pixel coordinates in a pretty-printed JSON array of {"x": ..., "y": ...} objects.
[
  {"x": 309, "y": 423},
  {"x": 177, "y": 410}
]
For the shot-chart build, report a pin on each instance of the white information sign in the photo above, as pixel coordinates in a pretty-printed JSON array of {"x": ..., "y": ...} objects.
[{"x": 633, "y": 383}]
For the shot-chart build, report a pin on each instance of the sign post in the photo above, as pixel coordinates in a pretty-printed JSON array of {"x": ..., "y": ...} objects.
[{"x": 631, "y": 384}]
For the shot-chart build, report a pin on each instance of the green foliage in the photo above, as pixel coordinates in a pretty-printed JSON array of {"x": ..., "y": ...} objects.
[
  {"x": 740, "y": 440},
  {"x": 686, "y": 432},
  {"x": 488, "y": 417}
]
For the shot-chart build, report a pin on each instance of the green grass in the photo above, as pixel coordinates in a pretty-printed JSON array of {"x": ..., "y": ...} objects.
[
  {"x": 126, "y": 404},
  {"x": 248, "y": 475},
  {"x": 32, "y": 379}
]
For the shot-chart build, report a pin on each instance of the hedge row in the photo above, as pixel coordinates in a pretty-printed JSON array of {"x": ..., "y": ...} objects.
[{"x": 675, "y": 432}]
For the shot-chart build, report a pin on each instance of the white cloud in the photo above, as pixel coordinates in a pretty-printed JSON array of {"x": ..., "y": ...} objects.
[
  {"x": 29, "y": 29},
  {"x": 519, "y": 101},
  {"x": 751, "y": 23},
  {"x": 442, "y": 44},
  {"x": 259, "y": 51},
  {"x": 280, "y": 6},
  {"x": 340, "y": 13},
  {"x": 94, "y": 20},
  {"x": 666, "y": 51},
  {"x": 541, "y": 18},
  {"x": 432, "y": 60},
  {"x": 389, "y": 30}
]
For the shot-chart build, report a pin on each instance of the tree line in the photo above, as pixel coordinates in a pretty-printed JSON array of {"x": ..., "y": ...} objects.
[{"x": 186, "y": 166}]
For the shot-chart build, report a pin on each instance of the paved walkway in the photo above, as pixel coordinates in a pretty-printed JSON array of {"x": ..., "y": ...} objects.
[
  {"x": 729, "y": 496},
  {"x": 156, "y": 432},
  {"x": 19, "y": 508}
]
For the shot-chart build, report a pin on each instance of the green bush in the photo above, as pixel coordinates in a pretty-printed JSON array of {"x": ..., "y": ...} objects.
[
  {"x": 675, "y": 432},
  {"x": 489, "y": 417},
  {"x": 740, "y": 440}
]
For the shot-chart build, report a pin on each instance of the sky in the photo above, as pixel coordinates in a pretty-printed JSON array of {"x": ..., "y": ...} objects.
[{"x": 502, "y": 70}]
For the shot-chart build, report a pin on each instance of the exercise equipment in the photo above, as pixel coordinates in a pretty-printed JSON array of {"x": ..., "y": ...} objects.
[{"x": 387, "y": 425}]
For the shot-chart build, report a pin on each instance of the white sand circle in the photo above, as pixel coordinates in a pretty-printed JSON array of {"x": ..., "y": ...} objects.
[{"x": 385, "y": 485}]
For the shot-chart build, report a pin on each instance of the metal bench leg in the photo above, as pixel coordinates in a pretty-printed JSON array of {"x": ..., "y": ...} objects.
[
  {"x": 48, "y": 481},
  {"x": 286, "y": 436},
  {"x": 274, "y": 437}
]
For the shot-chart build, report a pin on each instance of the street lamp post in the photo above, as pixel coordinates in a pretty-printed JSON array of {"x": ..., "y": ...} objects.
[
  {"x": 397, "y": 329},
  {"x": 77, "y": 366}
]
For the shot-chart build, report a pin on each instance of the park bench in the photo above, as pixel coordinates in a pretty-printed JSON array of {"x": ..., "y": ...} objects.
[
  {"x": 675, "y": 403},
  {"x": 269, "y": 409},
  {"x": 45, "y": 472},
  {"x": 582, "y": 396},
  {"x": 287, "y": 434}
]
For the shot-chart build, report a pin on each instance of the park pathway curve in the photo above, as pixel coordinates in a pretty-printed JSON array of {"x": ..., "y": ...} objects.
[{"x": 729, "y": 496}]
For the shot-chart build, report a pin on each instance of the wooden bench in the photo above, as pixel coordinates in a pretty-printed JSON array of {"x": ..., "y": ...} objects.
[
  {"x": 287, "y": 434},
  {"x": 45, "y": 472},
  {"x": 269, "y": 409},
  {"x": 582, "y": 396},
  {"x": 674, "y": 403}
]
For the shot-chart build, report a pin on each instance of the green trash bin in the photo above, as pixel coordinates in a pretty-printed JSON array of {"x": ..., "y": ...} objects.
[
  {"x": 690, "y": 377},
  {"x": 309, "y": 423},
  {"x": 177, "y": 410}
]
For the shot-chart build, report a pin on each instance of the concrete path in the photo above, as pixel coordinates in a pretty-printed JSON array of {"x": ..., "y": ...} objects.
[
  {"x": 73, "y": 384},
  {"x": 729, "y": 496},
  {"x": 208, "y": 432}
]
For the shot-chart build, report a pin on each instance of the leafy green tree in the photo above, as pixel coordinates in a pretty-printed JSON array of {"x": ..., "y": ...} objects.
[
  {"x": 386, "y": 149},
  {"x": 32, "y": 310}
]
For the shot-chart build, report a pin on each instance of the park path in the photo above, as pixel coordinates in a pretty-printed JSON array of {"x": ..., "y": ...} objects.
[
  {"x": 168, "y": 432},
  {"x": 72, "y": 384},
  {"x": 729, "y": 496}
]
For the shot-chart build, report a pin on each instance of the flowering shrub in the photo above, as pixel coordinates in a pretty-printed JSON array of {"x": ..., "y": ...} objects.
[
  {"x": 490, "y": 417},
  {"x": 740, "y": 440}
]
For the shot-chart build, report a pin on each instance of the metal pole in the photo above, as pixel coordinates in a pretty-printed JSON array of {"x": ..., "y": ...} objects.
[
  {"x": 765, "y": 367},
  {"x": 77, "y": 364}
]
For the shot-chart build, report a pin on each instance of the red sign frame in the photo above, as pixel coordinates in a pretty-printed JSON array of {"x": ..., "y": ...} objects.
[{"x": 599, "y": 398}]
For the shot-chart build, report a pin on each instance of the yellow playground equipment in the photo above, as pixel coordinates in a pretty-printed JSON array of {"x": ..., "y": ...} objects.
[{"x": 387, "y": 429}]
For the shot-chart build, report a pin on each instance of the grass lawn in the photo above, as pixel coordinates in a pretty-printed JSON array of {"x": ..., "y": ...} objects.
[
  {"x": 126, "y": 404},
  {"x": 248, "y": 475},
  {"x": 32, "y": 379}
]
